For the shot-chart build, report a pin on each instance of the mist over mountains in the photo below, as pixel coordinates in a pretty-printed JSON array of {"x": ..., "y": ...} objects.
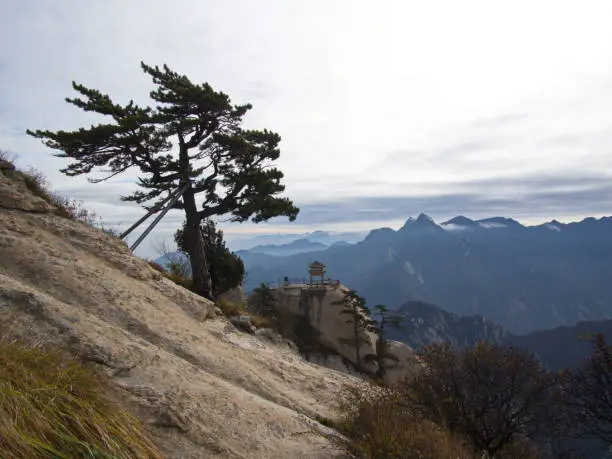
[{"x": 524, "y": 278}]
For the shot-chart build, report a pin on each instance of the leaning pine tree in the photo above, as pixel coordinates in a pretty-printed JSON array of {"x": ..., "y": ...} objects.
[{"x": 192, "y": 139}]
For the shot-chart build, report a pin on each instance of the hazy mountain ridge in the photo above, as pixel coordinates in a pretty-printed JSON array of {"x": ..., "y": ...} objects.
[
  {"x": 563, "y": 347},
  {"x": 326, "y": 238},
  {"x": 523, "y": 277},
  {"x": 424, "y": 324},
  {"x": 291, "y": 248},
  {"x": 559, "y": 348}
]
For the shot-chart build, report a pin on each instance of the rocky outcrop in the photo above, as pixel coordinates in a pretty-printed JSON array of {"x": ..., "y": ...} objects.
[
  {"x": 399, "y": 362},
  {"x": 204, "y": 389},
  {"x": 317, "y": 304},
  {"x": 14, "y": 194}
]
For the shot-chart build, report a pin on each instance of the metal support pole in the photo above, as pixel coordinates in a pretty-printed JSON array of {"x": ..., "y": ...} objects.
[
  {"x": 148, "y": 214},
  {"x": 159, "y": 217}
]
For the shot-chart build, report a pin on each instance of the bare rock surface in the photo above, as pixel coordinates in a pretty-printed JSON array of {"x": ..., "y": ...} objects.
[{"x": 205, "y": 389}]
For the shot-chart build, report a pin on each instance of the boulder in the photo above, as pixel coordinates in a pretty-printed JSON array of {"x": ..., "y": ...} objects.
[
  {"x": 14, "y": 194},
  {"x": 400, "y": 362}
]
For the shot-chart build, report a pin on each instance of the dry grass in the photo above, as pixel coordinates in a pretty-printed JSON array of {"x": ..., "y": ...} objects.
[
  {"x": 231, "y": 309},
  {"x": 66, "y": 207},
  {"x": 262, "y": 322},
  {"x": 156, "y": 266},
  {"x": 376, "y": 425},
  {"x": 38, "y": 185},
  {"x": 51, "y": 407},
  {"x": 7, "y": 161}
]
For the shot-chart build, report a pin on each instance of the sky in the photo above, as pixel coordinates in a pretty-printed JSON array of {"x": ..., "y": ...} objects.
[{"x": 386, "y": 109}]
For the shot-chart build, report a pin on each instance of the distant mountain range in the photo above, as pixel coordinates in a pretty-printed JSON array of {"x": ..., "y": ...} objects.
[
  {"x": 525, "y": 278},
  {"x": 326, "y": 238},
  {"x": 291, "y": 248},
  {"x": 559, "y": 348}
]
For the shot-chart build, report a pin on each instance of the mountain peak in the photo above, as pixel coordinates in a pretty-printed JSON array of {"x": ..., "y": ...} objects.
[
  {"x": 422, "y": 221},
  {"x": 499, "y": 222},
  {"x": 460, "y": 220},
  {"x": 380, "y": 234},
  {"x": 424, "y": 218}
]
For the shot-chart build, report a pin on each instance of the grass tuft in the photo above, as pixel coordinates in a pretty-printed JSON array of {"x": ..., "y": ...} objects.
[
  {"x": 66, "y": 207},
  {"x": 7, "y": 161},
  {"x": 51, "y": 407}
]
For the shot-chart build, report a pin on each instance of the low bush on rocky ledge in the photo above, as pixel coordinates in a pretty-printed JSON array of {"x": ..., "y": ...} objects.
[{"x": 52, "y": 407}]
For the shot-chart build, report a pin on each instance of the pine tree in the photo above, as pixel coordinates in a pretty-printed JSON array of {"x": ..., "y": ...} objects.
[
  {"x": 262, "y": 300},
  {"x": 225, "y": 267},
  {"x": 192, "y": 138},
  {"x": 359, "y": 316},
  {"x": 386, "y": 320}
]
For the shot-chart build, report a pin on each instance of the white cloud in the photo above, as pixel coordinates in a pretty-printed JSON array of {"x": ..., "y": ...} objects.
[{"x": 372, "y": 99}]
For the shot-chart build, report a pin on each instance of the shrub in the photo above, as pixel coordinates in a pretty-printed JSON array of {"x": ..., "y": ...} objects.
[
  {"x": 262, "y": 322},
  {"x": 492, "y": 395},
  {"x": 226, "y": 269},
  {"x": 51, "y": 407},
  {"x": 230, "y": 308},
  {"x": 376, "y": 424}
]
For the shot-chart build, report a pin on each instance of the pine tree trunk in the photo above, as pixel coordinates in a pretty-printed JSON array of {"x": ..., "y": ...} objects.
[{"x": 195, "y": 244}]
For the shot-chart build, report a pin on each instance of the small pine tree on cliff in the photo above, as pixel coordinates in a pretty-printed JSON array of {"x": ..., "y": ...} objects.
[
  {"x": 359, "y": 316},
  {"x": 385, "y": 320}
]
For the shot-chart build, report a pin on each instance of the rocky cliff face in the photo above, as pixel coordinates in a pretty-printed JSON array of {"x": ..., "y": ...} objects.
[
  {"x": 336, "y": 334},
  {"x": 202, "y": 387}
]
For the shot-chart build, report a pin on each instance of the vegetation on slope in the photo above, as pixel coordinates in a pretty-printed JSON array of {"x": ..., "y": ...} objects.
[
  {"x": 37, "y": 185},
  {"x": 51, "y": 407},
  {"x": 487, "y": 401}
]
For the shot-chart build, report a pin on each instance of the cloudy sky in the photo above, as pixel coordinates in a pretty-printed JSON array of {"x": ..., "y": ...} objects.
[{"x": 386, "y": 109}]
